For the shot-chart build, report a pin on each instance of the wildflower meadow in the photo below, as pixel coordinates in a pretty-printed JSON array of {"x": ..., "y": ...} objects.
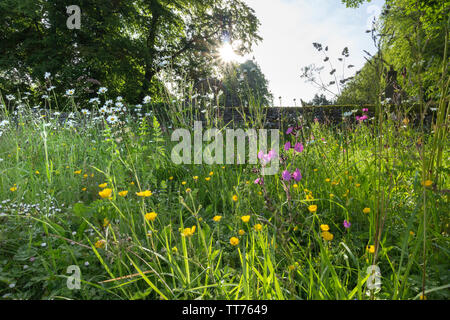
[{"x": 113, "y": 196}]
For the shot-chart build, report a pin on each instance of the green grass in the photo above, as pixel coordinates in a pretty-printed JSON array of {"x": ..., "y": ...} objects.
[{"x": 57, "y": 218}]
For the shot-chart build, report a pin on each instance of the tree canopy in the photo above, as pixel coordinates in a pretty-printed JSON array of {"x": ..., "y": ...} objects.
[
  {"x": 412, "y": 37},
  {"x": 122, "y": 45},
  {"x": 245, "y": 83}
]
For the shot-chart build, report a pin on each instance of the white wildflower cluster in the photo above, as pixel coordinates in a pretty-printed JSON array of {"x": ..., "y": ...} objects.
[
  {"x": 4, "y": 123},
  {"x": 102, "y": 90},
  {"x": 94, "y": 100},
  {"x": 146, "y": 100}
]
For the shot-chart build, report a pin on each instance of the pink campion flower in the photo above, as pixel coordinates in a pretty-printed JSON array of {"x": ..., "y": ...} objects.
[
  {"x": 297, "y": 175},
  {"x": 272, "y": 154},
  {"x": 316, "y": 120},
  {"x": 347, "y": 224},
  {"x": 287, "y": 146},
  {"x": 260, "y": 155},
  {"x": 266, "y": 158},
  {"x": 259, "y": 181},
  {"x": 365, "y": 110},
  {"x": 286, "y": 175},
  {"x": 289, "y": 130},
  {"x": 298, "y": 147},
  {"x": 362, "y": 118}
]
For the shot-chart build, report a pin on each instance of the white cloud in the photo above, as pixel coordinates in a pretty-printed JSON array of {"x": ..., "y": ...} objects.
[{"x": 289, "y": 28}]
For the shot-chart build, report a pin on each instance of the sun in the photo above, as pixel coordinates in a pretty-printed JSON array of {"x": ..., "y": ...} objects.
[{"x": 227, "y": 53}]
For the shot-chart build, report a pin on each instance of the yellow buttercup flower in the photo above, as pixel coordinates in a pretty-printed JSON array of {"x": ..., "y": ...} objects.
[
  {"x": 105, "y": 222},
  {"x": 327, "y": 236},
  {"x": 100, "y": 243},
  {"x": 235, "y": 198},
  {"x": 77, "y": 172},
  {"x": 151, "y": 216},
  {"x": 324, "y": 227},
  {"x": 12, "y": 189},
  {"x": 171, "y": 178},
  {"x": 195, "y": 177},
  {"x": 103, "y": 185},
  {"x": 370, "y": 249},
  {"x": 84, "y": 189},
  {"x": 183, "y": 183},
  {"x": 331, "y": 195},
  {"x": 241, "y": 232},
  {"x": 85, "y": 175},
  {"x": 327, "y": 180},
  {"x": 188, "y": 190},
  {"x": 427, "y": 183},
  {"x": 295, "y": 186},
  {"x": 146, "y": 193},
  {"x": 105, "y": 193},
  {"x": 208, "y": 178},
  {"x": 37, "y": 172},
  {"x": 357, "y": 185},
  {"x": 123, "y": 193},
  {"x": 366, "y": 210},
  {"x": 217, "y": 218},
  {"x": 234, "y": 241},
  {"x": 312, "y": 208},
  {"x": 257, "y": 227},
  {"x": 187, "y": 232},
  {"x": 211, "y": 173},
  {"x": 245, "y": 219}
]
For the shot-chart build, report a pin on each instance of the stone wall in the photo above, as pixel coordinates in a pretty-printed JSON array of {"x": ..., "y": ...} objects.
[{"x": 283, "y": 117}]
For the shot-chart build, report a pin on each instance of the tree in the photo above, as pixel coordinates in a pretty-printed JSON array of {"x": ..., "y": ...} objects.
[
  {"x": 360, "y": 90},
  {"x": 122, "y": 44},
  {"x": 320, "y": 100},
  {"x": 412, "y": 34},
  {"x": 244, "y": 84},
  {"x": 416, "y": 46}
]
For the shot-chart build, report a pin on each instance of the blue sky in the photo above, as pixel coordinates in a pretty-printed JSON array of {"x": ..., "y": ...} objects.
[{"x": 289, "y": 27}]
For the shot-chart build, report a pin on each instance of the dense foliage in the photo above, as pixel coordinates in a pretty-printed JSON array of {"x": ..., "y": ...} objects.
[
  {"x": 245, "y": 83},
  {"x": 122, "y": 45},
  {"x": 411, "y": 40}
]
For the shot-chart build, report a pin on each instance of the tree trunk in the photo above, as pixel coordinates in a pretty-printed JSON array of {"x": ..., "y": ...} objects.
[{"x": 150, "y": 58}]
